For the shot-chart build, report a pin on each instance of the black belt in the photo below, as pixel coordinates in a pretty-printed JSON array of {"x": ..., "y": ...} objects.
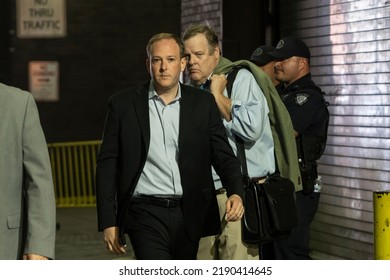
[
  {"x": 258, "y": 180},
  {"x": 167, "y": 202},
  {"x": 220, "y": 191}
]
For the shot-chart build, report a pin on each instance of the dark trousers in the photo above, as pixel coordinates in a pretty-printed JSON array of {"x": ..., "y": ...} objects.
[
  {"x": 296, "y": 246},
  {"x": 157, "y": 233}
]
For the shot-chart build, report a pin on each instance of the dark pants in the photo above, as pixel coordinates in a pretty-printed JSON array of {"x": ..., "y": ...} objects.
[
  {"x": 158, "y": 233},
  {"x": 296, "y": 246}
]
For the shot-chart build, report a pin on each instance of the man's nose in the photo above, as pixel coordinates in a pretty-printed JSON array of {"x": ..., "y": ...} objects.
[
  {"x": 277, "y": 65},
  {"x": 190, "y": 59},
  {"x": 163, "y": 65}
]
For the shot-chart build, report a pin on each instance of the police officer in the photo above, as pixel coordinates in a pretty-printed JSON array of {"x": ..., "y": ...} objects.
[
  {"x": 309, "y": 114},
  {"x": 264, "y": 61}
]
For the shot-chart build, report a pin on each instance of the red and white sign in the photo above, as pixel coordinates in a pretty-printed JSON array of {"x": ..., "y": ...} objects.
[{"x": 44, "y": 80}]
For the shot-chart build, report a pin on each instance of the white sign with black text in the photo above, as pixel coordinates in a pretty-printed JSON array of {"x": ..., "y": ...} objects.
[{"x": 41, "y": 18}]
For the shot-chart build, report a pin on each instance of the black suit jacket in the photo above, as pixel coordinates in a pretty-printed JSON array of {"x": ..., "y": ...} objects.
[{"x": 202, "y": 142}]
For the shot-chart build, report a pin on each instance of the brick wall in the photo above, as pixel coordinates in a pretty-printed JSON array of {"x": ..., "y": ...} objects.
[
  {"x": 241, "y": 26},
  {"x": 202, "y": 11},
  {"x": 103, "y": 52}
]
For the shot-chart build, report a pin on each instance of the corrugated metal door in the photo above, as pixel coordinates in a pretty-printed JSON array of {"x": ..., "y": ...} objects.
[{"x": 350, "y": 46}]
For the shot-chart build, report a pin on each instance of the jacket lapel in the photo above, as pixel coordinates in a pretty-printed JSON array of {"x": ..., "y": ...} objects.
[
  {"x": 141, "y": 106},
  {"x": 185, "y": 115}
]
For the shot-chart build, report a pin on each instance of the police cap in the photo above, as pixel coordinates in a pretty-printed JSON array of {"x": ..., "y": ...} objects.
[
  {"x": 290, "y": 46},
  {"x": 260, "y": 56}
]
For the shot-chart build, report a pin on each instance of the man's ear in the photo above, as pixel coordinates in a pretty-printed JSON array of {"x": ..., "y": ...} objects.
[
  {"x": 183, "y": 62},
  {"x": 217, "y": 52},
  {"x": 305, "y": 62},
  {"x": 302, "y": 63}
]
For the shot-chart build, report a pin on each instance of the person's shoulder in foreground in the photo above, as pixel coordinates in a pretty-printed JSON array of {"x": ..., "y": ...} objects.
[{"x": 25, "y": 179}]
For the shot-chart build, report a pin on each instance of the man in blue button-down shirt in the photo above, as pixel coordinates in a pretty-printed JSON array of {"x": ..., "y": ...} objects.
[{"x": 245, "y": 115}]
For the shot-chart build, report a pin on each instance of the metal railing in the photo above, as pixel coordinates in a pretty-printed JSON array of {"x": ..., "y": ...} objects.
[{"x": 73, "y": 166}]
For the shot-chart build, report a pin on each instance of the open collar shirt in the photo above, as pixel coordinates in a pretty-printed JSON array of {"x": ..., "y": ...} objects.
[{"x": 161, "y": 175}]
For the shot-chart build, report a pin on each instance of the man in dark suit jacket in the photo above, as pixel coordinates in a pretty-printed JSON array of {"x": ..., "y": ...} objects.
[{"x": 153, "y": 172}]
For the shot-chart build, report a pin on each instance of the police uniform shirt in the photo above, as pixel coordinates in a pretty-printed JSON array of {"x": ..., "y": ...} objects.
[{"x": 306, "y": 104}]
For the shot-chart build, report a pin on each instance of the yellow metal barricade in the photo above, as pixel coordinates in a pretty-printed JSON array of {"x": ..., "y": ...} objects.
[
  {"x": 73, "y": 166},
  {"x": 381, "y": 201}
]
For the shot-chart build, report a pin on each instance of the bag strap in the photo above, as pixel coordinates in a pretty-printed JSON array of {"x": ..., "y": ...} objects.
[
  {"x": 239, "y": 142},
  {"x": 230, "y": 79},
  {"x": 241, "y": 156}
]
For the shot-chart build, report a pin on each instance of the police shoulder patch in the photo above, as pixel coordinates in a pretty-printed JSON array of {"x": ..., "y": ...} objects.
[{"x": 301, "y": 98}]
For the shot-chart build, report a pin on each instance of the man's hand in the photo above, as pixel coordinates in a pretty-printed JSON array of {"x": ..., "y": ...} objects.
[
  {"x": 234, "y": 208},
  {"x": 217, "y": 86},
  {"x": 34, "y": 257},
  {"x": 111, "y": 240}
]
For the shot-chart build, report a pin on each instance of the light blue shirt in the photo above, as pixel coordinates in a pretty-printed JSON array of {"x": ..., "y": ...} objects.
[
  {"x": 161, "y": 176},
  {"x": 250, "y": 122}
]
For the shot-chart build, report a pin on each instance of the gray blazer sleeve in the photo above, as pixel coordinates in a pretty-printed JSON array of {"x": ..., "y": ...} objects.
[{"x": 39, "y": 191}]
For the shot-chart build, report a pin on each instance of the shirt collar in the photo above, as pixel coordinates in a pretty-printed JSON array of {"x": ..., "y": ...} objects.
[{"x": 153, "y": 94}]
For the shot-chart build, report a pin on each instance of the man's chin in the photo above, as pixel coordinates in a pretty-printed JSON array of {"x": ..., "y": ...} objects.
[{"x": 194, "y": 79}]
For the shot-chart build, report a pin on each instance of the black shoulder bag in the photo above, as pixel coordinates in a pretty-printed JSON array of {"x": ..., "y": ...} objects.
[{"x": 270, "y": 207}]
